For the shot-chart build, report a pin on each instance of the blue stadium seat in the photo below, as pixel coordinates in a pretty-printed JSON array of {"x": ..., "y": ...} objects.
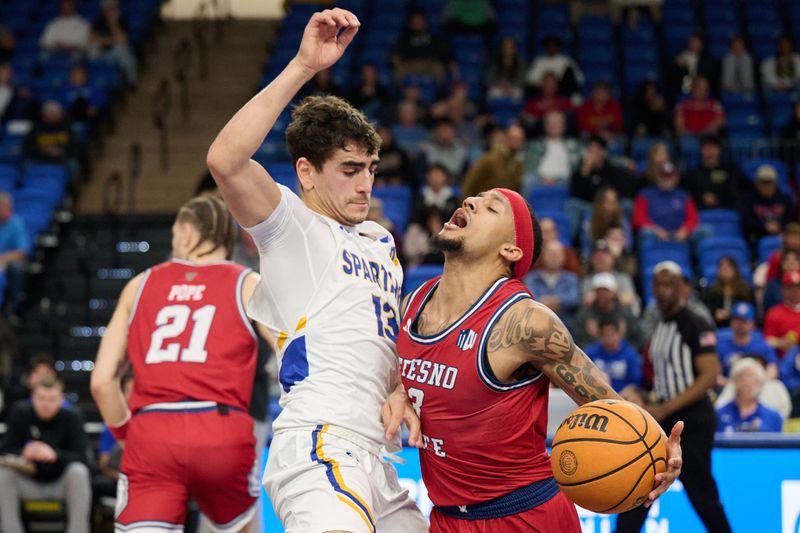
[
  {"x": 641, "y": 146},
  {"x": 713, "y": 249},
  {"x": 690, "y": 151},
  {"x": 397, "y": 201},
  {"x": 725, "y": 222},
  {"x": 44, "y": 170},
  {"x": 283, "y": 173},
  {"x": 767, "y": 246},
  {"x": 653, "y": 252},
  {"x": 413, "y": 278},
  {"x": 547, "y": 198},
  {"x": 561, "y": 221},
  {"x": 9, "y": 177}
]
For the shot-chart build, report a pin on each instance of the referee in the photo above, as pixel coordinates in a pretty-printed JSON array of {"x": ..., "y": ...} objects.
[{"x": 685, "y": 368}]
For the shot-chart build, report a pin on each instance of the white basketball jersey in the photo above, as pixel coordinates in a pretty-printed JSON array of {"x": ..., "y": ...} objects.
[{"x": 330, "y": 295}]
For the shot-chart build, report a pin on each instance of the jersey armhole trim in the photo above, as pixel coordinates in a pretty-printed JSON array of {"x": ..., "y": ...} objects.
[
  {"x": 484, "y": 370},
  {"x": 240, "y": 302},
  {"x": 139, "y": 292}
]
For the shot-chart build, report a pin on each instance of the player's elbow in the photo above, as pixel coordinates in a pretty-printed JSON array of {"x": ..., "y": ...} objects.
[
  {"x": 222, "y": 163},
  {"x": 100, "y": 382}
]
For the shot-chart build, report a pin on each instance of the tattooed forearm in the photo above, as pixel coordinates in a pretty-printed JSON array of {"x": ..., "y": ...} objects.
[{"x": 548, "y": 345}]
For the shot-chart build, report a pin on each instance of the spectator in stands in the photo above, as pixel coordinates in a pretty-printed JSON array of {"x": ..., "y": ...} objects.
[
  {"x": 437, "y": 192},
  {"x": 615, "y": 357},
  {"x": 551, "y": 160},
  {"x": 51, "y": 139},
  {"x": 469, "y": 16},
  {"x": 688, "y": 296},
  {"x": 16, "y": 101},
  {"x": 606, "y": 213},
  {"x": 550, "y": 233},
  {"x": 554, "y": 286},
  {"x": 445, "y": 149},
  {"x": 7, "y": 44},
  {"x": 395, "y": 166},
  {"x": 782, "y": 323},
  {"x": 502, "y": 166},
  {"x": 603, "y": 261},
  {"x": 548, "y": 100},
  {"x": 417, "y": 247},
  {"x": 605, "y": 304},
  {"x": 790, "y": 240},
  {"x": 370, "y": 95},
  {"x": 782, "y": 72},
  {"x": 14, "y": 249},
  {"x": 691, "y": 63},
  {"x": 789, "y": 260},
  {"x": 52, "y": 441},
  {"x": 699, "y": 114},
  {"x": 620, "y": 244},
  {"x": 81, "y": 96},
  {"x": 766, "y": 209},
  {"x": 745, "y": 412},
  {"x": 461, "y": 111},
  {"x": 666, "y": 212},
  {"x": 506, "y": 77},
  {"x": 657, "y": 155},
  {"x": 728, "y": 288},
  {"x": 743, "y": 342},
  {"x": 790, "y": 376},
  {"x": 596, "y": 171},
  {"x": 714, "y": 184},
  {"x": 408, "y": 131},
  {"x": 67, "y": 33},
  {"x": 737, "y": 68},
  {"x": 420, "y": 52},
  {"x": 601, "y": 114},
  {"x": 321, "y": 84},
  {"x": 564, "y": 68},
  {"x": 109, "y": 38},
  {"x": 40, "y": 367},
  {"x": 652, "y": 117}
]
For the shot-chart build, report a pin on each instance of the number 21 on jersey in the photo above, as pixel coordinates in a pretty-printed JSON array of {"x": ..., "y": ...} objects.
[{"x": 172, "y": 321}]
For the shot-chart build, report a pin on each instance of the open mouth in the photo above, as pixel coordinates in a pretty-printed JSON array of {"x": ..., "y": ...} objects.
[{"x": 458, "y": 220}]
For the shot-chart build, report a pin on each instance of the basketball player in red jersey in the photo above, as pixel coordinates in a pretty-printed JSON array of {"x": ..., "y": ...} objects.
[
  {"x": 183, "y": 326},
  {"x": 477, "y": 355}
]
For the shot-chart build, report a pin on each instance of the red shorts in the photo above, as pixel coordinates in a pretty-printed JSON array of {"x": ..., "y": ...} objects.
[
  {"x": 174, "y": 456},
  {"x": 556, "y": 514}
]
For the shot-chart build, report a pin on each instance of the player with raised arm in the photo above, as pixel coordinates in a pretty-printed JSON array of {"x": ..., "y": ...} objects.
[
  {"x": 329, "y": 294},
  {"x": 187, "y": 431},
  {"x": 477, "y": 355}
]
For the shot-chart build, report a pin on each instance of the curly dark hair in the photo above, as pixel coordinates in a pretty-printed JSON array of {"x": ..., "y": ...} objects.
[{"x": 322, "y": 124}]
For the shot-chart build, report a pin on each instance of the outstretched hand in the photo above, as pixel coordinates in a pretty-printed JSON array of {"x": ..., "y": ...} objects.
[
  {"x": 326, "y": 37},
  {"x": 398, "y": 409},
  {"x": 674, "y": 464}
]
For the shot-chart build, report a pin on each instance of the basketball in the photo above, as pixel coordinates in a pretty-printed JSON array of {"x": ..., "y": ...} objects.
[{"x": 606, "y": 454}]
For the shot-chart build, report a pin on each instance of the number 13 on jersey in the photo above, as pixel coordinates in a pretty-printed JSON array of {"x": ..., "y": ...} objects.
[{"x": 387, "y": 318}]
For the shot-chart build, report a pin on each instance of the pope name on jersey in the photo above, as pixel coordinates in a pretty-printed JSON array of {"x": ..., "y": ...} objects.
[{"x": 448, "y": 379}]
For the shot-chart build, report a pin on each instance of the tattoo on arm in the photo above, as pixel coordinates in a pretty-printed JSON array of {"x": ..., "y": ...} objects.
[{"x": 550, "y": 348}]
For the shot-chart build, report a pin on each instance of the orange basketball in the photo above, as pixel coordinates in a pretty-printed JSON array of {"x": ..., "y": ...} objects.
[{"x": 606, "y": 454}]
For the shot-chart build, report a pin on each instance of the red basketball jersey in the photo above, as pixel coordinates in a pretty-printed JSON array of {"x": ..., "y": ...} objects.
[
  {"x": 483, "y": 438},
  {"x": 189, "y": 337}
]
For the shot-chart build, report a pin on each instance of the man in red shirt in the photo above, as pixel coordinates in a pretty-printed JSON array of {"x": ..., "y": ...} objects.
[
  {"x": 782, "y": 324},
  {"x": 548, "y": 100},
  {"x": 601, "y": 114},
  {"x": 699, "y": 114}
]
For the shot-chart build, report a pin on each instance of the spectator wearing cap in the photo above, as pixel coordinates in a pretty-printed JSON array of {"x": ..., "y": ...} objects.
[
  {"x": 67, "y": 33},
  {"x": 554, "y": 286},
  {"x": 601, "y": 114},
  {"x": 605, "y": 303},
  {"x": 767, "y": 209},
  {"x": 789, "y": 260},
  {"x": 666, "y": 212},
  {"x": 746, "y": 413},
  {"x": 564, "y": 69},
  {"x": 743, "y": 342},
  {"x": 782, "y": 323},
  {"x": 616, "y": 358},
  {"x": 781, "y": 73},
  {"x": 596, "y": 171},
  {"x": 551, "y": 160},
  {"x": 699, "y": 114},
  {"x": 714, "y": 184},
  {"x": 502, "y": 166},
  {"x": 550, "y": 233},
  {"x": 603, "y": 260},
  {"x": 790, "y": 376},
  {"x": 729, "y": 287},
  {"x": 109, "y": 38}
]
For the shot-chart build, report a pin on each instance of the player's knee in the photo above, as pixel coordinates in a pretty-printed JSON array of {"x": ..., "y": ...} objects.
[
  {"x": 77, "y": 473},
  {"x": 7, "y": 475}
]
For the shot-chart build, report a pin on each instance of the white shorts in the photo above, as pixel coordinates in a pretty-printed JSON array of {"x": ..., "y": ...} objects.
[{"x": 321, "y": 482}]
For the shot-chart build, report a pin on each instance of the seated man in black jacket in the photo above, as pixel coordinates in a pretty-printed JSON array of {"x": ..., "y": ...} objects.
[{"x": 51, "y": 440}]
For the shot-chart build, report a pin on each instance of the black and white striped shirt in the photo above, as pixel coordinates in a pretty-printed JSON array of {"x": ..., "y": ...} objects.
[{"x": 673, "y": 347}]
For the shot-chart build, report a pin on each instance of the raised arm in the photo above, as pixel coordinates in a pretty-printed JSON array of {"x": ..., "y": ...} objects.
[
  {"x": 533, "y": 334},
  {"x": 248, "y": 189}
]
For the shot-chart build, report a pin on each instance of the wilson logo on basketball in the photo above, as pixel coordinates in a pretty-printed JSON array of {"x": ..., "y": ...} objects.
[{"x": 594, "y": 422}]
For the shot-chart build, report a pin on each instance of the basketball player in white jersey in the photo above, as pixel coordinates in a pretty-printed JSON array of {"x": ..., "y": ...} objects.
[{"x": 329, "y": 294}]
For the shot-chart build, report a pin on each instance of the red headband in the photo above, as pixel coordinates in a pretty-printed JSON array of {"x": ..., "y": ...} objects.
[{"x": 523, "y": 230}]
